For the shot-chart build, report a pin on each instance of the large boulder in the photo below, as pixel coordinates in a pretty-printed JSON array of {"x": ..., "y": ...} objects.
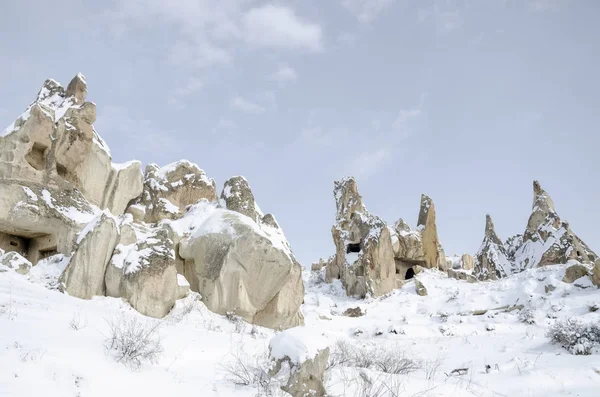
[
  {"x": 170, "y": 189},
  {"x": 242, "y": 267},
  {"x": 300, "y": 357},
  {"x": 84, "y": 275},
  {"x": 491, "y": 261},
  {"x": 54, "y": 144},
  {"x": 142, "y": 270},
  {"x": 575, "y": 271},
  {"x": 14, "y": 261},
  {"x": 426, "y": 225},
  {"x": 548, "y": 239}
]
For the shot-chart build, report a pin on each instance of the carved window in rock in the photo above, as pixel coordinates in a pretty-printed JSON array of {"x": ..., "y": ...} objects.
[
  {"x": 353, "y": 248},
  {"x": 410, "y": 273},
  {"x": 37, "y": 156}
]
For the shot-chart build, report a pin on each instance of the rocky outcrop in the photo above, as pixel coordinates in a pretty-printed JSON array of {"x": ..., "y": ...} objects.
[
  {"x": 596, "y": 273},
  {"x": 364, "y": 259},
  {"x": 170, "y": 189},
  {"x": 420, "y": 288},
  {"x": 373, "y": 258},
  {"x": 299, "y": 362},
  {"x": 142, "y": 270},
  {"x": 575, "y": 272},
  {"x": 491, "y": 261},
  {"x": 548, "y": 239},
  {"x": 14, "y": 261},
  {"x": 242, "y": 267},
  {"x": 426, "y": 225},
  {"x": 53, "y": 144},
  {"x": 84, "y": 275}
]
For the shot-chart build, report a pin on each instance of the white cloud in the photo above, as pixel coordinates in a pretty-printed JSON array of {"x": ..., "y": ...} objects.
[
  {"x": 544, "y": 5},
  {"x": 405, "y": 116},
  {"x": 285, "y": 74},
  {"x": 369, "y": 163},
  {"x": 366, "y": 10},
  {"x": 243, "y": 105},
  {"x": 443, "y": 15},
  {"x": 280, "y": 27},
  {"x": 183, "y": 89}
]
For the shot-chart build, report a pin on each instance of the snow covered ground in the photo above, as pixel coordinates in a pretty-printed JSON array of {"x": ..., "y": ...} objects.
[{"x": 54, "y": 345}]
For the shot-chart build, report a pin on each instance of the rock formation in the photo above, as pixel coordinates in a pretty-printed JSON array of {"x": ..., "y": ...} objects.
[
  {"x": 548, "y": 239},
  {"x": 61, "y": 194},
  {"x": 432, "y": 249},
  {"x": 491, "y": 261},
  {"x": 373, "y": 258}
]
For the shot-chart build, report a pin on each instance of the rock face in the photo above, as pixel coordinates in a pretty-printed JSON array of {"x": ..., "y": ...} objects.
[
  {"x": 242, "y": 267},
  {"x": 14, "y": 261},
  {"x": 596, "y": 273},
  {"x": 373, "y": 258},
  {"x": 491, "y": 262},
  {"x": 142, "y": 270},
  {"x": 547, "y": 239},
  {"x": 84, "y": 275},
  {"x": 170, "y": 189},
  {"x": 432, "y": 249}
]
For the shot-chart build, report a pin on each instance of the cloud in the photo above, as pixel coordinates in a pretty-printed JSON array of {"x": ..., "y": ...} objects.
[
  {"x": 369, "y": 163},
  {"x": 405, "y": 116},
  {"x": 243, "y": 105},
  {"x": 366, "y": 10},
  {"x": 285, "y": 74},
  {"x": 279, "y": 27},
  {"x": 442, "y": 14},
  {"x": 183, "y": 89},
  {"x": 224, "y": 127},
  {"x": 544, "y": 5}
]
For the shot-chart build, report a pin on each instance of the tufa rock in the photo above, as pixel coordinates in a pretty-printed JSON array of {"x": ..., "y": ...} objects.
[
  {"x": 15, "y": 261},
  {"x": 432, "y": 249},
  {"x": 547, "y": 239},
  {"x": 596, "y": 273},
  {"x": 84, "y": 275},
  {"x": 575, "y": 272},
  {"x": 354, "y": 312},
  {"x": 420, "y": 288},
  {"x": 491, "y": 262},
  {"x": 238, "y": 197}
]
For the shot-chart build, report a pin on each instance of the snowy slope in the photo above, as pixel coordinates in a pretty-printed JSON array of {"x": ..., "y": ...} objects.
[{"x": 41, "y": 353}]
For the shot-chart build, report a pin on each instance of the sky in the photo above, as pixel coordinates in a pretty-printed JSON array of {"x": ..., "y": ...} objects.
[{"x": 466, "y": 101}]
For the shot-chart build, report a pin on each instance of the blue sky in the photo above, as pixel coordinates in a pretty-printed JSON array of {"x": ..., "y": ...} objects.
[{"x": 467, "y": 101}]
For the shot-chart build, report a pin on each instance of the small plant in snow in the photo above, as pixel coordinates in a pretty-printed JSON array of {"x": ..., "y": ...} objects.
[
  {"x": 384, "y": 359},
  {"x": 577, "y": 337},
  {"x": 244, "y": 370},
  {"x": 490, "y": 327},
  {"x": 133, "y": 341},
  {"x": 77, "y": 322},
  {"x": 443, "y": 316},
  {"x": 237, "y": 321},
  {"x": 527, "y": 316},
  {"x": 593, "y": 306}
]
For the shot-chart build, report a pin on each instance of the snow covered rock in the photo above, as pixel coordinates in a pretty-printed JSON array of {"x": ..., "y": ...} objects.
[
  {"x": 301, "y": 358},
  {"x": 575, "y": 272},
  {"x": 170, "y": 189},
  {"x": 420, "y": 288},
  {"x": 240, "y": 266},
  {"x": 547, "y": 239},
  {"x": 142, "y": 271},
  {"x": 596, "y": 273},
  {"x": 364, "y": 259},
  {"x": 38, "y": 221},
  {"x": 432, "y": 248},
  {"x": 84, "y": 275},
  {"x": 238, "y": 197},
  {"x": 54, "y": 144},
  {"x": 467, "y": 261},
  {"x": 16, "y": 262},
  {"x": 491, "y": 262}
]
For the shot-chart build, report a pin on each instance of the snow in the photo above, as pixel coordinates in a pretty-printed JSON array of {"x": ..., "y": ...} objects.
[
  {"x": 169, "y": 206},
  {"x": 182, "y": 281},
  {"x": 70, "y": 212},
  {"x": 122, "y": 166},
  {"x": 298, "y": 344},
  {"x": 165, "y": 170},
  {"x": 13, "y": 126},
  {"x": 438, "y": 328},
  {"x": 32, "y": 196}
]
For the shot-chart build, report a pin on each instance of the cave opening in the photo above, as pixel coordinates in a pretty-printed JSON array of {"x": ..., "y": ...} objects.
[
  {"x": 353, "y": 248},
  {"x": 410, "y": 273}
]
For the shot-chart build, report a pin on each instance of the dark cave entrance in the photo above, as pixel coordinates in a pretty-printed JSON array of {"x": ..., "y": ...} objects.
[
  {"x": 350, "y": 248},
  {"x": 410, "y": 273}
]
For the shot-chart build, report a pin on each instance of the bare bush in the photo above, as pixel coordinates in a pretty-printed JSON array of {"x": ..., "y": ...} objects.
[
  {"x": 77, "y": 322},
  {"x": 365, "y": 385},
  {"x": 389, "y": 360},
  {"x": 432, "y": 367},
  {"x": 577, "y": 337},
  {"x": 245, "y": 370},
  {"x": 133, "y": 341},
  {"x": 238, "y": 322},
  {"x": 527, "y": 316}
]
